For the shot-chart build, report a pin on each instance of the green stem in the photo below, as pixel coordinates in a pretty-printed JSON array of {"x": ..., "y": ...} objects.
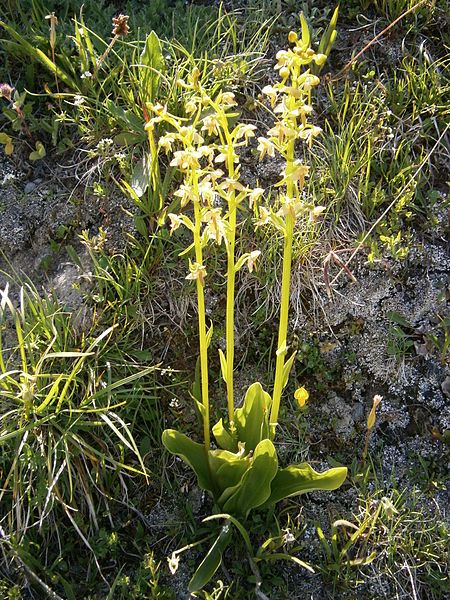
[
  {"x": 201, "y": 319},
  {"x": 285, "y": 291},
  {"x": 231, "y": 276}
]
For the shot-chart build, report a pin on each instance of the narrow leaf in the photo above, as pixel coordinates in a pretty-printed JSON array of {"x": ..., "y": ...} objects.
[
  {"x": 212, "y": 560},
  {"x": 223, "y": 365}
]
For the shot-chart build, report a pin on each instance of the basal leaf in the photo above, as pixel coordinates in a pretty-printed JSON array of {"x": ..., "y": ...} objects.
[
  {"x": 228, "y": 470},
  {"x": 252, "y": 419},
  {"x": 224, "y": 438},
  {"x": 255, "y": 486},
  {"x": 300, "y": 479},
  {"x": 193, "y": 453}
]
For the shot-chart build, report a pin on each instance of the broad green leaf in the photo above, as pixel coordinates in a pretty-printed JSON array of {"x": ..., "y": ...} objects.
[
  {"x": 126, "y": 117},
  {"x": 212, "y": 560},
  {"x": 255, "y": 486},
  {"x": 231, "y": 470},
  {"x": 150, "y": 68},
  {"x": 192, "y": 453},
  {"x": 300, "y": 479},
  {"x": 224, "y": 438},
  {"x": 39, "y": 152},
  {"x": 140, "y": 177},
  {"x": 128, "y": 138},
  {"x": 252, "y": 419}
]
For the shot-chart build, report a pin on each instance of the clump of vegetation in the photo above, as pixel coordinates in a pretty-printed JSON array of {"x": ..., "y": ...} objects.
[{"x": 166, "y": 114}]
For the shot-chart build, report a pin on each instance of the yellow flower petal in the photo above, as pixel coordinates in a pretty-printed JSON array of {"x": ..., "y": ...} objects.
[{"x": 301, "y": 395}]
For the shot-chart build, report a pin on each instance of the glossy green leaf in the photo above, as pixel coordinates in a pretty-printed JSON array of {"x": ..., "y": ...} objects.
[
  {"x": 255, "y": 486},
  {"x": 252, "y": 419},
  {"x": 150, "y": 68},
  {"x": 231, "y": 470},
  {"x": 212, "y": 560},
  {"x": 193, "y": 453},
  {"x": 300, "y": 479},
  {"x": 224, "y": 438}
]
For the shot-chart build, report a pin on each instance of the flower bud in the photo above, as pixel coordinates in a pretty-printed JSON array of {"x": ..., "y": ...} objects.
[
  {"x": 284, "y": 72},
  {"x": 292, "y": 37}
]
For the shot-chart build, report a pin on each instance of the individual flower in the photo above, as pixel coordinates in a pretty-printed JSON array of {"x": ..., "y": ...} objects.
[
  {"x": 6, "y": 91},
  {"x": 215, "y": 228},
  {"x": 78, "y": 100},
  {"x": 301, "y": 394},
  {"x": 245, "y": 131},
  {"x": 296, "y": 173},
  {"x": 372, "y": 415},
  {"x": 190, "y": 107},
  {"x": 231, "y": 184},
  {"x": 290, "y": 206},
  {"x": 265, "y": 146},
  {"x": 315, "y": 213},
  {"x": 175, "y": 222},
  {"x": 254, "y": 196},
  {"x": 185, "y": 159},
  {"x": 166, "y": 142},
  {"x": 226, "y": 99},
  {"x": 281, "y": 132},
  {"x": 272, "y": 93},
  {"x": 308, "y": 133},
  {"x": 186, "y": 193},
  {"x": 223, "y": 156},
  {"x": 206, "y": 191},
  {"x": 173, "y": 563},
  {"x": 207, "y": 152},
  {"x": 211, "y": 125},
  {"x": 265, "y": 216},
  {"x": 251, "y": 260},
  {"x": 190, "y": 135},
  {"x": 197, "y": 271},
  {"x": 310, "y": 81}
]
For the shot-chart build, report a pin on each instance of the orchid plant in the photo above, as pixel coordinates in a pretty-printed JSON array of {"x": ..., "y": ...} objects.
[{"x": 241, "y": 471}]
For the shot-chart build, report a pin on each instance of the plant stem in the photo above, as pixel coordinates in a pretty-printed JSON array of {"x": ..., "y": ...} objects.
[
  {"x": 201, "y": 317},
  {"x": 231, "y": 276},
  {"x": 285, "y": 292}
]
